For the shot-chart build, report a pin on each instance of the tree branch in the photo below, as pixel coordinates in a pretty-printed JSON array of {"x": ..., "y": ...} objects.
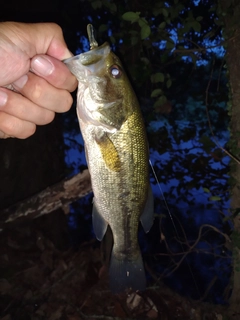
[{"x": 57, "y": 196}]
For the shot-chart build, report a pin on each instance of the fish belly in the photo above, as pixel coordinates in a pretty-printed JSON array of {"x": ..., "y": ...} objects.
[{"x": 120, "y": 184}]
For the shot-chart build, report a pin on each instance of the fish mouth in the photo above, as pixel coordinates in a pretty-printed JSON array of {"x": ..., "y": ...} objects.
[
  {"x": 94, "y": 55},
  {"x": 91, "y": 61},
  {"x": 90, "y": 57}
]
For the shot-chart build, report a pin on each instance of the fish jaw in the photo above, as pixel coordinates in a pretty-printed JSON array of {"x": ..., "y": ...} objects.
[{"x": 88, "y": 62}]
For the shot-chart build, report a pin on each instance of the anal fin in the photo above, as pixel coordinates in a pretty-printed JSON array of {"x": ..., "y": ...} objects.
[{"x": 99, "y": 223}]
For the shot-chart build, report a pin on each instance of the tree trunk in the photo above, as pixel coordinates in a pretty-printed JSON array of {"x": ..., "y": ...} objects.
[{"x": 230, "y": 10}]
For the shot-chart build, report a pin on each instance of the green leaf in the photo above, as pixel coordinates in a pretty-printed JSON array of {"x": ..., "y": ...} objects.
[
  {"x": 133, "y": 32},
  {"x": 207, "y": 143},
  {"x": 96, "y": 4},
  {"x": 186, "y": 27},
  {"x": 160, "y": 101},
  {"x": 131, "y": 16},
  {"x": 213, "y": 8},
  {"x": 169, "y": 83},
  {"x": 142, "y": 22},
  {"x": 235, "y": 239},
  {"x": 196, "y": 26},
  {"x": 157, "y": 11},
  {"x": 145, "y": 60},
  {"x": 113, "y": 40},
  {"x": 156, "y": 92},
  {"x": 199, "y": 18},
  {"x": 209, "y": 34},
  {"x": 162, "y": 25},
  {"x": 102, "y": 28},
  {"x": 218, "y": 22},
  {"x": 145, "y": 31},
  {"x": 157, "y": 77},
  {"x": 206, "y": 190},
  {"x": 134, "y": 40},
  {"x": 165, "y": 12},
  {"x": 194, "y": 58},
  {"x": 170, "y": 44},
  {"x": 215, "y": 198},
  {"x": 113, "y": 7}
]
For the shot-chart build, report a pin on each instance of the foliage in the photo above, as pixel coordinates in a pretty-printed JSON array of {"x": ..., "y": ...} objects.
[
  {"x": 169, "y": 49},
  {"x": 154, "y": 36}
]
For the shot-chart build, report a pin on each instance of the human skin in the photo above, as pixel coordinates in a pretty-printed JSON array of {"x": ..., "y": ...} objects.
[{"x": 34, "y": 82}]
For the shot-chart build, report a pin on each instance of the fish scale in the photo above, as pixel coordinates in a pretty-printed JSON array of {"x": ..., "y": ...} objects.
[{"x": 117, "y": 155}]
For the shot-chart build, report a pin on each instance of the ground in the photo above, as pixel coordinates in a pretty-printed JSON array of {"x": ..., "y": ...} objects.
[{"x": 43, "y": 277}]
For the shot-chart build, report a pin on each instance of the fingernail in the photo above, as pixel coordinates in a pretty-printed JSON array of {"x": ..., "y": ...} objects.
[
  {"x": 42, "y": 66},
  {"x": 20, "y": 83},
  {"x": 3, "y": 98}
]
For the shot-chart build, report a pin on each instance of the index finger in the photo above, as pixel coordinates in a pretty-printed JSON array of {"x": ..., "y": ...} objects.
[
  {"x": 54, "y": 71},
  {"x": 37, "y": 38}
]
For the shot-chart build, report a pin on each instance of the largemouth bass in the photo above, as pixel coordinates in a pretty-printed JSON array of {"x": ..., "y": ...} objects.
[{"x": 117, "y": 155}]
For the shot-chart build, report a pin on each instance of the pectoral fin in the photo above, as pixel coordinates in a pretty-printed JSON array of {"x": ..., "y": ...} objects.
[
  {"x": 147, "y": 216},
  {"x": 99, "y": 224},
  {"x": 86, "y": 153},
  {"x": 109, "y": 153}
]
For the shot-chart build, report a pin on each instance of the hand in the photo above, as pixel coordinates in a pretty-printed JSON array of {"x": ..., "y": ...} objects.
[{"x": 30, "y": 64}]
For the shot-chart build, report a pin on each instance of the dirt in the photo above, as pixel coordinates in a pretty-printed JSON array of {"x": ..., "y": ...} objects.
[{"x": 43, "y": 277}]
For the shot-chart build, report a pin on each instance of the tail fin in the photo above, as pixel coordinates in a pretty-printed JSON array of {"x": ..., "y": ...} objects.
[{"x": 126, "y": 274}]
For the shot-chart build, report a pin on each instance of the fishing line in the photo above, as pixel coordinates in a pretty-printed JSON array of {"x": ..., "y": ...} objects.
[
  {"x": 173, "y": 223},
  {"x": 164, "y": 199}
]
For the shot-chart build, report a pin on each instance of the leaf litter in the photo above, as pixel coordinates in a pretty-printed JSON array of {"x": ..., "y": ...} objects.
[{"x": 41, "y": 279}]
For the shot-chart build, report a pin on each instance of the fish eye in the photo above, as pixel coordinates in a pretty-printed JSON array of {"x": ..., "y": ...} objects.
[{"x": 115, "y": 71}]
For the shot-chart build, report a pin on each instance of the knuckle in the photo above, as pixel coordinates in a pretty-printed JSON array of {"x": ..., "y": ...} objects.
[
  {"x": 37, "y": 90},
  {"x": 59, "y": 82},
  {"x": 50, "y": 117},
  {"x": 68, "y": 100},
  {"x": 64, "y": 102},
  {"x": 3, "y": 135},
  {"x": 30, "y": 132},
  {"x": 26, "y": 131},
  {"x": 56, "y": 28},
  {"x": 74, "y": 84},
  {"x": 7, "y": 124},
  {"x": 15, "y": 127},
  {"x": 63, "y": 79}
]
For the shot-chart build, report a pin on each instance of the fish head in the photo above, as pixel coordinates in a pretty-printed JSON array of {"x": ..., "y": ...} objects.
[{"x": 105, "y": 97}]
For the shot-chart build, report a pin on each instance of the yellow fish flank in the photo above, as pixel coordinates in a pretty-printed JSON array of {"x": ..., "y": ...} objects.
[{"x": 117, "y": 155}]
